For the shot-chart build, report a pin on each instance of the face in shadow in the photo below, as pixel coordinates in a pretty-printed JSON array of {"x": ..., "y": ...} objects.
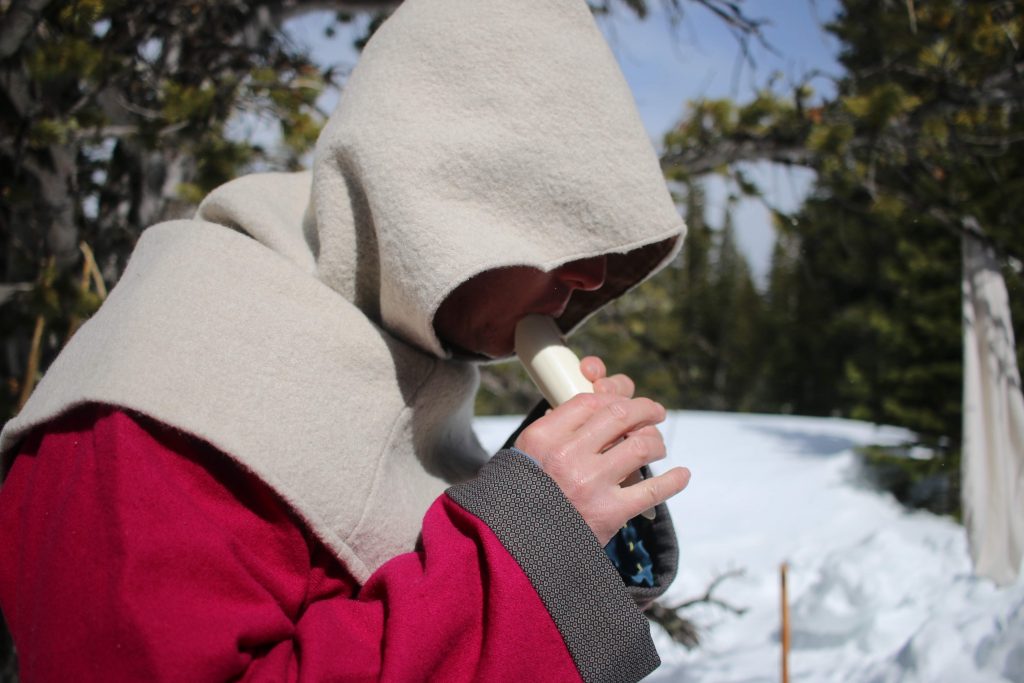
[{"x": 479, "y": 317}]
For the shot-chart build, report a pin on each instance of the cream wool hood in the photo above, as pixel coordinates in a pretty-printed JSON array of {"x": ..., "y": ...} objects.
[{"x": 290, "y": 324}]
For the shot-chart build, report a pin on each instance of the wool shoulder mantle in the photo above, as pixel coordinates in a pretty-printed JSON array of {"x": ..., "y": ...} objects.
[{"x": 212, "y": 333}]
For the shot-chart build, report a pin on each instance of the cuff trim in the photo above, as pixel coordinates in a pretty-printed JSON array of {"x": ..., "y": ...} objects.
[{"x": 604, "y": 631}]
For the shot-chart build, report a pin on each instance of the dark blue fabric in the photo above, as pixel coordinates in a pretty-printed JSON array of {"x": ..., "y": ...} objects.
[{"x": 631, "y": 559}]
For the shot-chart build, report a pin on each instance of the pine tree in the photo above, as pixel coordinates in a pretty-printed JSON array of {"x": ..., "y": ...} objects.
[
  {"x": 922, "y": 142},
  {"x": 688, "y": 336},
  {"x": 114, "y": 118},
  {"x": 695, "y": 315},
  {"x": 738, "y": 307}
]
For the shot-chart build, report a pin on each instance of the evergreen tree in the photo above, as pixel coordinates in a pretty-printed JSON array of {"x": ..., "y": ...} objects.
[
  {"x": 688, "y": 336},
  {"x": 114, "y": 118},
  {"x": 921, "y": 143},
  {"x": 695, "y": 352},
  {"x": 738, "y": 311}
]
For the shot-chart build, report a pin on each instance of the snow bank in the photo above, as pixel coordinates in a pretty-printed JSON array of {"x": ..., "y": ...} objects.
[{"x": 877, "y": 594}]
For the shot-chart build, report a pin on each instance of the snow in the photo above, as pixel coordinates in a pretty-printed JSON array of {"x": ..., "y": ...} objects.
[{"x": 877, "y": 593}]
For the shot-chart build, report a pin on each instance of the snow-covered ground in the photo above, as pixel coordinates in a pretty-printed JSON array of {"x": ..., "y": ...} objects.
[{"x": 877, "y": 594}]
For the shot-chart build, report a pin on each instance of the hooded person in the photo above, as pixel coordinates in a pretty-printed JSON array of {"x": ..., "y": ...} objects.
[{"x": 256, "y": 459}]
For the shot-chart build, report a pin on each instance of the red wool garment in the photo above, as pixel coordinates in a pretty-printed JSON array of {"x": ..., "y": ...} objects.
[{"x": 130, "y": 551}]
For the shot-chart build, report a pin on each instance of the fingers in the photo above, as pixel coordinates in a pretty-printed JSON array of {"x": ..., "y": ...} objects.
[
  {"x": 654, "y": 491},
  {"x": 649, "y": 430},
  {"x": 593, "y": 368},
  {"x": 635, "y": 451},
  {"x": 616, "y": 419},
  {"x": 567, "y": 421},
  {"x": 574, "y": 413},
  {"x": 616, "y": 384}
]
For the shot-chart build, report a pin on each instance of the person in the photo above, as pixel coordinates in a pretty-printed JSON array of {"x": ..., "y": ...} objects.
[{"x": 256, "y": 462}]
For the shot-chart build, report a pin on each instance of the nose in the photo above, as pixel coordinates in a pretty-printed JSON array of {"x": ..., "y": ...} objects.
[{"x": 586, "y": 274}]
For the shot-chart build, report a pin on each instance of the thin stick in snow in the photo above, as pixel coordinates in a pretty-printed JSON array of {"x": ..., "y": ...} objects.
[{"x": 783, "y": 568}]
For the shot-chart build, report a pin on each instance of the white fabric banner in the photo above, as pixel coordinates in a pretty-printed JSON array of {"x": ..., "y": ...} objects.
[{"x": 993, "y": 429}]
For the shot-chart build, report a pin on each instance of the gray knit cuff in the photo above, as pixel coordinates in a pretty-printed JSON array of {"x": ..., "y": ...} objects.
[{"x": 606, "y": 634}]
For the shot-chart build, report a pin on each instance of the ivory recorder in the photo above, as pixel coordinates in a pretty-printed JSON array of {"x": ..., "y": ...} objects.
[{"x": 554, "y": 368}]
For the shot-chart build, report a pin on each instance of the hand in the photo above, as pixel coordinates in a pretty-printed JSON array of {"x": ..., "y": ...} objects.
[{"x": 580, "y": 446}]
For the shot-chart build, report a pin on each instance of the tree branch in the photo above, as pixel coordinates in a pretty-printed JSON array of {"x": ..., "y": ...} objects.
[
  {"x": 8, "y": 290},
  {"x": 18, "y": 22},
  {"x": 733, "y": 16},
  {"x": 709, "y": 598},
  {"x": 698, "y": 160},
  {"x": 681, "y": 629}
]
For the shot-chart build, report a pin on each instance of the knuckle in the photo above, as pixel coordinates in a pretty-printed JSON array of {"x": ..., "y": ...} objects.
[
  {"x": 654, "y": 449},
  {"x": 645, "y": 431},
  {"x": 619, "y": 410},
  {"x": 532, "y": 438},
  {"x": 562, "y": 453},
  {"x": 525, "y": 443},
  {"x": 638, "y": 447},
  {"x": 653, "y": 491},
  {"x": 577, "y": 486}
]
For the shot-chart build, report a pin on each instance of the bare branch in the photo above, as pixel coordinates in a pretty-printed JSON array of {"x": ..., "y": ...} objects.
[
  {"x": 732, "y": 14},
  {"x": 124, "y": 130},
  {"x": 682, "y": 630},
  {"x": 289, "y": 9},
  {"x": 912, "y": 16},
  {"x": 710, "y": 599},
  {"x": 700, "y": 160},
  {"x": 8, "y": 290}
]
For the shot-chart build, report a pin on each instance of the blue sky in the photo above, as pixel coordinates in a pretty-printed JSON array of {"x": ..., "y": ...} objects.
[{"x": 668, "y": 66}]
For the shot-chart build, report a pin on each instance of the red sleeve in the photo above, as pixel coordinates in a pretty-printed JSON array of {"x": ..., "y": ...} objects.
[{"x": 131, "y": 552}]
